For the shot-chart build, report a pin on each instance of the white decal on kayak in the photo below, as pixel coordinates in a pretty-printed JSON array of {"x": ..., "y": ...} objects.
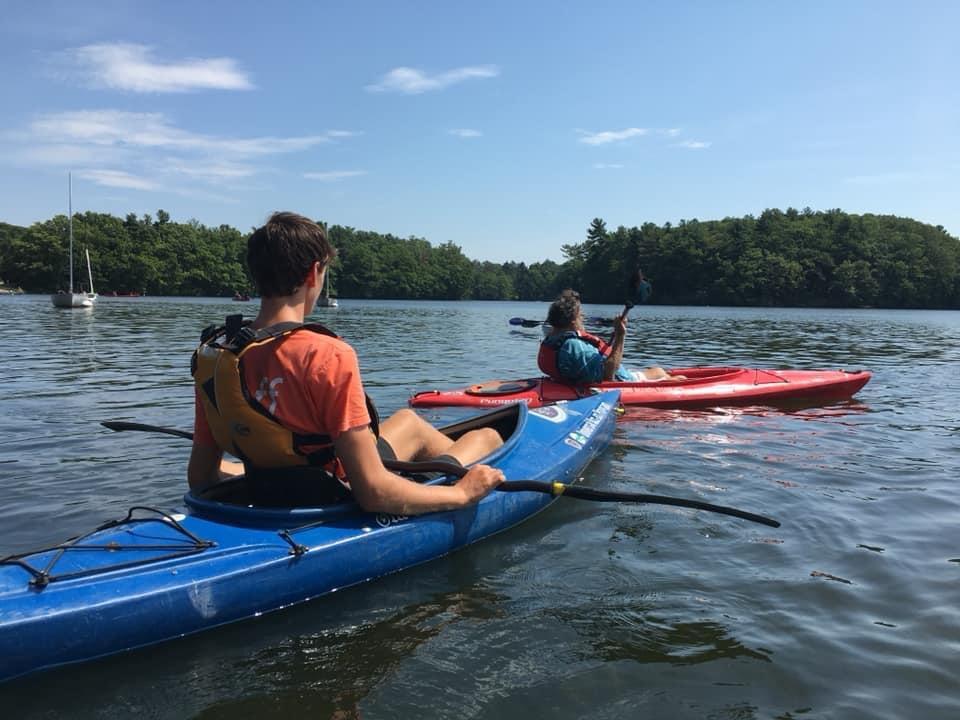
[
  {"x": 581, "y": 436},
  {"x": 573, "y": 443},
  {"x": 553, "y": 413},
  {"x": 385, "y": 520}
]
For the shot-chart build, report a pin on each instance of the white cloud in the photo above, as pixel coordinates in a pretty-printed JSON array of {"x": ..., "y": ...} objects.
[
  {"x": 607, "y": 166},
  {"x": 609, "y": 136},
  {"x": 145, "y": 151},
  {"x": 64, "y": 155},
  {"x": 118, "y": 178},
  {"x": 131, "y": 67},
  {"x": 671, "y": 132},
  {"x": 465, "y": 132},
  {"x": 410, "y": 81},
  {"x": 333, "y": 175},
  {"x": 210, "y": 171},
  {"x": 693, "y": 144},
  {"x": 154, "y": 130}
]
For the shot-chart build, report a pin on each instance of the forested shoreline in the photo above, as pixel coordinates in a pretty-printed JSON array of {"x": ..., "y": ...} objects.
[{"x": 781, "y": 258}]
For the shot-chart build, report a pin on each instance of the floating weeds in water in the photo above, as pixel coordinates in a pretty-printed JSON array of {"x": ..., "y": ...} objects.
[{"x": 828, "y": 576}]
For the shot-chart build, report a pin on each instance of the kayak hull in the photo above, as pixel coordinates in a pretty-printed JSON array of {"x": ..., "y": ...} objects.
[
  {"x": 703, "y": 387},
  {"x": 153, "y": 577}
]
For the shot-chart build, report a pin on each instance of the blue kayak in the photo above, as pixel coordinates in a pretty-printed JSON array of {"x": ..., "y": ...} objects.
[{"x": 157, "y": 575}]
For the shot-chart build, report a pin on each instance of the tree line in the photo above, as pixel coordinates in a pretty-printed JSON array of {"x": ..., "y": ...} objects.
[
  {"x": 781, "y": 258},
  {"x": 792, "y": 258}
]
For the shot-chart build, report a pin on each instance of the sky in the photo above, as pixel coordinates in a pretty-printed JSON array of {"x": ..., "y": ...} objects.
[{"x": 504, "y": 127}]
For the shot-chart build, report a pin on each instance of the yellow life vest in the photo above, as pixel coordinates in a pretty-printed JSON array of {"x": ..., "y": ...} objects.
[{"x": 240, "y": 424}]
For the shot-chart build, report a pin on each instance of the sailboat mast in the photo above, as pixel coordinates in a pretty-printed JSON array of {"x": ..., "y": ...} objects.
[
  {"x": 90, "y": 272},
  {"x": 70, "y": 205}
]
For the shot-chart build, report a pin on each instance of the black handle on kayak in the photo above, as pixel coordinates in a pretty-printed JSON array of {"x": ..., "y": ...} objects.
[{"x": 549, "y": 488}]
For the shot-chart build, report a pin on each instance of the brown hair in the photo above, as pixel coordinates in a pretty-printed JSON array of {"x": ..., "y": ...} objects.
[
  {"x": 281, "y": 253},
  {"x": 564, "y": 310}
]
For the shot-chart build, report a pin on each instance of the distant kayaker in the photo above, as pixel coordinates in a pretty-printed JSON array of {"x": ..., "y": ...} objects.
[
  {"x": 570, "y": 353},
  {"x": 291, "y": 397}
]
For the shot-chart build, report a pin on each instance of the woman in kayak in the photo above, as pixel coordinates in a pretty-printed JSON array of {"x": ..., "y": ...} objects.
[
  {"x": 287, "y": 397},
  {"x": 572, "y": 354}
]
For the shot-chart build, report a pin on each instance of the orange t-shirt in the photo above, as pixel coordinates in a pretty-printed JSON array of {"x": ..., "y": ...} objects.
[{"x": 309, "y": 382}]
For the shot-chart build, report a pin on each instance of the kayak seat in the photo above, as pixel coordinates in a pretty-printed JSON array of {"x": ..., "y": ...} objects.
[
  {"x": 287, "y": 490},
  {"x": 301, "y": 488}
]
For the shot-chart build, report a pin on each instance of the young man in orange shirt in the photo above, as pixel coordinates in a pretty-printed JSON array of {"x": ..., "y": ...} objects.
[{"x": 309, "y": 383}]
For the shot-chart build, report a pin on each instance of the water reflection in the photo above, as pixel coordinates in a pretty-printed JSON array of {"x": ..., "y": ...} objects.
[
  {"x": 616, "y": 633},
  {"x": 329, "y": 674},
  {"x": 311, "y": 661},
  {"x": 799, "y": 409}
]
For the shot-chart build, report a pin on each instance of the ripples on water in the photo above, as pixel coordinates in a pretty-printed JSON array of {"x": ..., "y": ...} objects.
[{"x": 847, "y": 611}]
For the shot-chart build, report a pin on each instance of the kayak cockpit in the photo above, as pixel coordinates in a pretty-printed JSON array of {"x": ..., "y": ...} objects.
[
  {"x": 688, "y": 376},
  {"x": 297, "y": 501},
  {"x": 503, "y": 387}
]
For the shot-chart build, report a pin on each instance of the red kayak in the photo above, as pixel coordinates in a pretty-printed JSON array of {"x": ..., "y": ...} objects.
[{"x": 703, "y": 387}]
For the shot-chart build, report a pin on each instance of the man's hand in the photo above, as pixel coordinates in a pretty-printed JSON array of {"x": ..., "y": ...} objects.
[
  {"x": 478, "y": 482},
  {"x": 620, "y": 327}
]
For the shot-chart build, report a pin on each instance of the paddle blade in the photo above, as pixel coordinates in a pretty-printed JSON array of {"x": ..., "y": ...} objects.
[
  {"x": 523, "y": 322},
  {"x": 638, "y": 289}
]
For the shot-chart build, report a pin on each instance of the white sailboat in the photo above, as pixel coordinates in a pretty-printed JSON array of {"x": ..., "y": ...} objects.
[
  {"x": 71, "y": 299},
  {"x": 325, "y": 300}
]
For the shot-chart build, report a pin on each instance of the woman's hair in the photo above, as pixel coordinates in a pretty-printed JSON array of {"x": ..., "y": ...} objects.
[
  {"x": 280, "y": 253},
  {"x": 565, "y": 309}
]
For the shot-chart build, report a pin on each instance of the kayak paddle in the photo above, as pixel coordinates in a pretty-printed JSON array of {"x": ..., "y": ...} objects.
[
  {"x": 595, "y": 320},
  {"x": 549, "y": 488},
  {"x": 577, "y": 491},
  {"x": 120, "y": 426},
  {"x": 523, "y": 322},
  {"x": 638, "y": 292}
]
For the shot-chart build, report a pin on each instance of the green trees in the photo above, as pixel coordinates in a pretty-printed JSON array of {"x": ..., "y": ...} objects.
[
  {"x": 791, "y": 258},
  {"x": 129, "y": 255},
  {"x": 781, "y": 258}
]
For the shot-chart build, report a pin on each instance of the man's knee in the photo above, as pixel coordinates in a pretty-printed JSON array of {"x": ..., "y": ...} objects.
[
  {"x": 406, "y": 419},
  {"x": 406, "y": 415},
  {"x": 489, "y": 437}
]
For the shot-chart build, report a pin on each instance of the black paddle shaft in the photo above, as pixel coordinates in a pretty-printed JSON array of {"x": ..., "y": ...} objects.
[
  {"x": 580, "y": 493},
  {"x": 121, "y": 425}
]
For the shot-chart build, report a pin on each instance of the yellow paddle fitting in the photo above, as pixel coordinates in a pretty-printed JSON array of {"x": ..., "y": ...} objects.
[{"x": 558, "y": 488}]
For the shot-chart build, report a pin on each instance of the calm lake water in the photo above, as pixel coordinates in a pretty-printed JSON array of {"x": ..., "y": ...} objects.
[{"x": 850, "y": 610}]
